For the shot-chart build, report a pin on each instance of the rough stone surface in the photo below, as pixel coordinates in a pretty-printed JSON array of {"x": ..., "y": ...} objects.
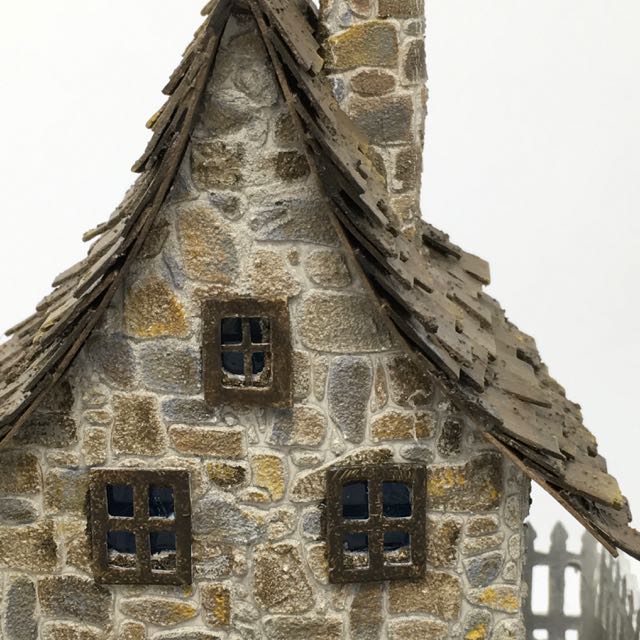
[
  {"x": 443, "y": 536},
  {"x": 30, "y": 548},
  {"x": 94, "y": 446},
  {"x": 49, "y": 429},
  {"x": 475, "y": 486},
  {"x": 450, "y": 439},
  {"x": 207, "y": 441},
  {"x": 302, "y": 425},
  {"x": 169, "y": 368},
  {"x": 509, "y": 630},
  {"x": 19, "y": 473},
  {"x": 279, "y": 582},
  {"x": 303, "y": 628},
  {"x": 373, "y": 44},
  {"x": 400, "y": 8},
  {"x": 350, "y": 381},
  {"x": 20, "y": 622},
  {"x": 328, "y": 269},
  {"x": 418, "y": 630},
  {"x": 396, "y": 425},
  {"x": 152, "y": 310},
  {"x": 137, "y": 428},
  {"x": 366, "y": 617},
  {"x": 477, "y": 625},
  {"x": 268, "y": 473},
  {"x": 225, "y": 474},
  {"x": 69, "y": 631},
  {"x": 384, "y": 119},
  {"x": 438, "y": 594},
  {"x": 414, "y": 63},
  {"x": 409, "y": 384},
  {"x": 355, "y": 327},
  {"x": 216, "y": 602},
  {"x": 66, "y": 491},
  {"x": 115, "y": 358},
  {"x": 15, "y": 511},
  {"x": 75, "y": 598},
  {"x": 482, "y": 571},
  {"x": 373, "y": 82},
  {"x": 232, "y": 522},
  {"x": 500, "y": 598},
  {"x": 482, "y": 525},
  {"x": 163, "y": 612}
]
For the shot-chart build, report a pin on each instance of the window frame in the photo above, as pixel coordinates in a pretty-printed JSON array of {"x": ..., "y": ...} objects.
[
  {"x": 415, "y": 476},
  {"x": 141, "y": 525},
  {"x": 279, "y": 393}
]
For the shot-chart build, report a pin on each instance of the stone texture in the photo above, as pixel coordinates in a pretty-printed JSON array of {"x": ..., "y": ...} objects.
[
  {"x": 280, "y": 585},
  {"x": 414, "y": 65},
  {"x": 14, "y": 511},
  {"x": 31, "y": 548},
  {"x": 217, "y": 164},
  {"x": 226, "y": 474},
  {"x": 482, "y": 525},
  {"x": 499, "y": 598},
  {"x": 328, "y": 269},
  {"x": 400, "y": 8},
  {"x": 75, "y": 598},
  {"x": 366, "y": 616},
  {"x": 418, "y": 630},
  {"x": 409, "y": 383},
  {"x": 208, "y": 441},
  {"x": 169, "y": 368},
  {"x": 443, "y": 536},
  {"x": 371, "y": 44},
  {"x": 66, "y": 491},
  {"x": 383, "y": 119},
  {"x": 417, "y": 453},
  {"x": 232, "y": 523},
  {"x": 269, "y": 474},
  {"x": 19, "y": 472},
  {"x": 450, "y": 438},
  {"x": 303, "y": 628},
  {"x": 356, "y": 326},
  {"x": 187, "y": 410},
  {"x": 48, "y": 429},
  {"x": 152, "y": 310},
  {"x": 114, "y": 357},
  {"x": 396, "y": 425},
  {"x": 350, "y": 381},
  {"x": 477, "y": 625},
  {"x": 163, "y": 612},
  {"x": 474, "y": 486},
  {"x": 216, "y": 602},
  {"x": 20, "y": 621},
  {"x": 95, "y": 443},
  {"x": 73, "y": 536},
  {"x": 482, "y": 571},
  {"x": 291, "y": 165},
  {"x": 302, "y": 425},
  {"x": 438, "y": 594},
  {"x": 270, "y": 277},
  {"x": 137, "y": 428},
  {"x": 301, "y": 375},
  {"x": 132, "y": 631},
  {"x": 69, "y": 631},
  {"x": 408, "y": 169},
  {"x": 208, "y": 249},
  {"x": 188, "y": 633},
  {"x": 372, "y": 82},
  {"x": 481, "y": 544},
  {"x": 509, "y": 630},
  {"x": 311, "y": 485}
]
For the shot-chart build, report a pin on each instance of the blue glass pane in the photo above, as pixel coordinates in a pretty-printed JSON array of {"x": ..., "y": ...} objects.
[
  {"x": 396, "y": 498},
  {"x": 231, "y": 331},
  {"x": 161, "y": 502},
  {"x": 356, "y": 542},
  {"x": 258, "y": 362},
  {"x": 233, "y": 362},
  {"x": 120, "y": 500},
  {"x": 259, "y": 328},
  {"x": 355, "y": 501},
  {"x": 160, "y": 541},
  {"x": 394, "y": 540},
  {"x": 121, "y": 541}
]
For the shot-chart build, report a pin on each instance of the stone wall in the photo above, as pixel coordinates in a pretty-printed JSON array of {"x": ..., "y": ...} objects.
[
  {"x": 376, "y": 57},
  {"x": 247, "y": 217}
]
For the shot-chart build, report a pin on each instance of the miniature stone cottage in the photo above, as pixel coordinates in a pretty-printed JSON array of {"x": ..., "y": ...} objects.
[{"x": 272, "y": 402}]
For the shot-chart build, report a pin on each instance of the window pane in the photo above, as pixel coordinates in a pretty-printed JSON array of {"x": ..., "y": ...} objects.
[
  {"x": 355, "y": 501},
  {"x": 231, "y": 331},
  {"x": 396, "y": 499},
  {"x": 258, "y": 362},
  {"x": 259, "y": 328},
  {"x": 397, "y": 547},
  {"x": 233, "y": 362},
  {"x": 356, "y": 551},
  {"x": 161, "y": 502},
  {"x": 163, "y": 550},
  {"x": 121, "y": 549},
  {"x": 120, "y": 500}
]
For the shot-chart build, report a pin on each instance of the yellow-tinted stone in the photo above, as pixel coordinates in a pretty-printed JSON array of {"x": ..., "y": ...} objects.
[
  {"x": 132, "y": 631},
  {"x": 270, "y": 277},
  {"x": 370, "y": 44},
  {"x": 501, "y": 598},
  {"x": 225, "y": 474},
  {"x": 438, "y": 594},
  {"x": 395, "y": 425},
  {"x": 94, "y": 446},
  {"x": 268, "y": 473},
  {"x": 164, "y": 612},
  {"x": 137, "y": 428},
  {"x": 208, "y": 441},
  {"x": 418, "y": 630},
  {"x": 29, "y": 548},
  {"x": 216, "y": 602},
  {"x": 152, "y": 310},
  {"x": 69, "y": 631}
]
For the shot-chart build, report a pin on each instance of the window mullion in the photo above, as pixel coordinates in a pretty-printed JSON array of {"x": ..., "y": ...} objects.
[{"x": 141, "y": 524}]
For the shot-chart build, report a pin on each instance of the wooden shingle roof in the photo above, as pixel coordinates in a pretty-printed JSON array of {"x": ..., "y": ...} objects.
[{"x": 430, "y": 290}]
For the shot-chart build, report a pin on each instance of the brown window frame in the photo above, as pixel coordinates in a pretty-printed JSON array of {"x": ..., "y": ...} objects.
[
  {"x": 279, "y": 392},
  {"x": 141, "y": 525},
  {"x": 377, "y": 524}
]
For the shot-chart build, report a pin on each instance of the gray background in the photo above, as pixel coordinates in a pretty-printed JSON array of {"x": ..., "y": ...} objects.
[{"x": 532, "y": 161}]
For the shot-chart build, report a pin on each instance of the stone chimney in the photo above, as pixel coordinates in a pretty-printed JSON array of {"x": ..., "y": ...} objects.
[{"x": 375, "y": 54}]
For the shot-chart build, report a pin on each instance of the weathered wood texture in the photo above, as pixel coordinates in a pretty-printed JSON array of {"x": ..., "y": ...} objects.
[
  {"x": 607, "y": 604},
  {"x": 430, "y": 289}
]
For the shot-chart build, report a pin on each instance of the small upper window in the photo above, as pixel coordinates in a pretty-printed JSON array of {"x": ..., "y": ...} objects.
[
  {"x": 247, "y": 352},
  {"x": 376, "y": 519},
  {"x": 141, "y": 526}
]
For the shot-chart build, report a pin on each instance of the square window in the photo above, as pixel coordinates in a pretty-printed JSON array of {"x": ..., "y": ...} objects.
[
  {"x": 141, "y": 526},
  {"x": 120, "y": 500},
  {"x": 247, "y": 352},
  {"x": 376, "y": 522}
]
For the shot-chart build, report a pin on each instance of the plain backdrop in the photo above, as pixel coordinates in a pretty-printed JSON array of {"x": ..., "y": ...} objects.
[{"x": 532, "y": 161}]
